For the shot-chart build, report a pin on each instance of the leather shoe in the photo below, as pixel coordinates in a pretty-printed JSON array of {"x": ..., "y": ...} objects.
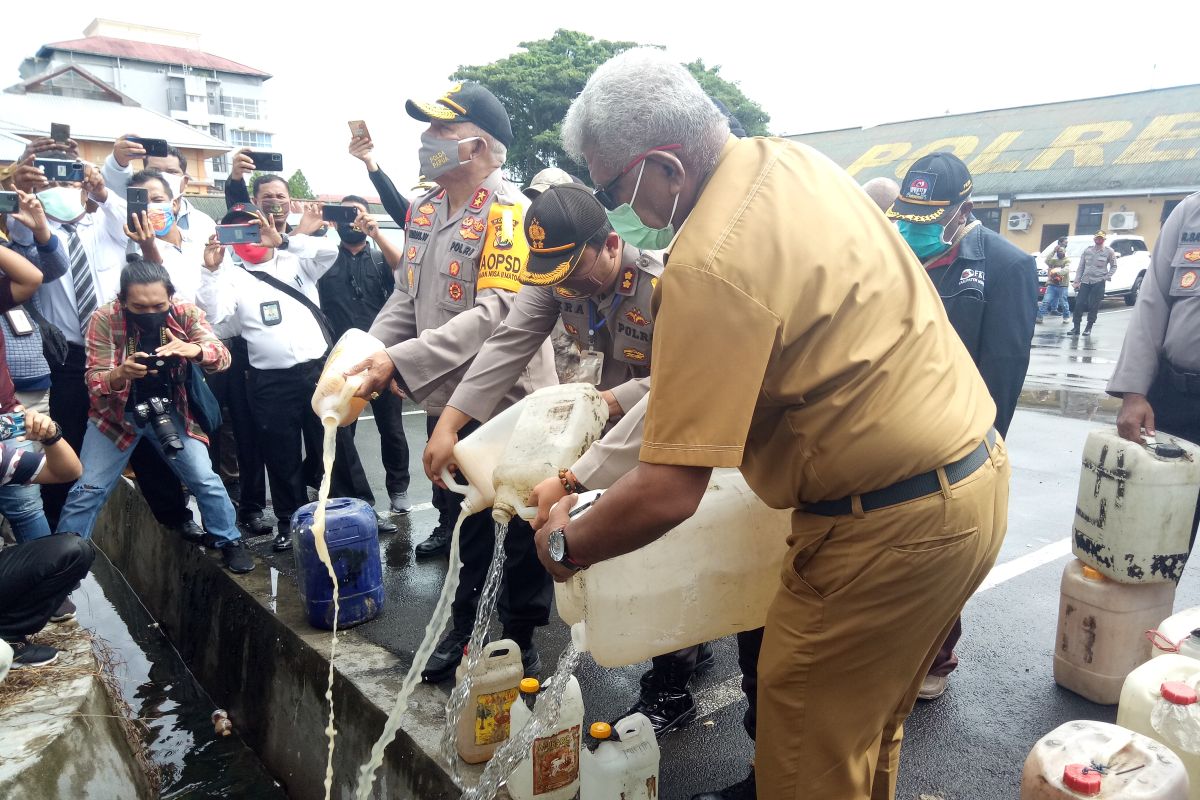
[
  {"x": 283, "y": 540},
  {"x": 745, "y": 789},
  {"x": 446, "y": 656},
  {"x": 255, "y": 525},
  {"x": 191, "y": 532},
  {"x": 384, "y": 524},
  {"x": 666, "y": 708},
  {"x": 438, "y": 543}
]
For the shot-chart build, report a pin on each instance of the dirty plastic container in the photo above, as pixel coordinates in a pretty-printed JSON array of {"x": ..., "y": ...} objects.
[
  {"x": 640, "y": 604},
  {"x": 1177, "y": 629},
  {"x": 478, "y": 454},
  {"x": 556, "y": 426},
  {"x": 624, "y": 763},
  {"x": 332, "y": 396},
  {"x": 1063, "y": 765},
  {"x": 494, "y": 689},
  {"x": 1144, "y": 693},
  {"x": 352, "y": 537},
  {"x": 1102, "y": 630},
  {"x": 1133, "y": 518},
  {"x": 551, "y": 771}
]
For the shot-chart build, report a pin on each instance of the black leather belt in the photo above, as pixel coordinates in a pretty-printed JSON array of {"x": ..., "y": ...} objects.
[
  {"x": 912, "y": 488},
  {"x": 1182, "y": 381}
]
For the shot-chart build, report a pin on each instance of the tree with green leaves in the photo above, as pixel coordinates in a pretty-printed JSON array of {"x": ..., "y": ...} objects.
[
  {"x": 298, "y": 187},
  {"x": 537, "y": 86}
]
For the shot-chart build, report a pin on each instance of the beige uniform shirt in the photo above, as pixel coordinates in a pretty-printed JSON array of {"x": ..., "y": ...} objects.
[
  {"x": 798, "y": 337},
  {"x": 1166, "y": 319},
  {"x": 456, "y": 284}
]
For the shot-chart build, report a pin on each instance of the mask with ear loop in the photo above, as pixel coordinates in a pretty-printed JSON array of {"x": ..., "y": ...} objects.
[
  {"x": 928, "y": 239},
  {"x": 594, "y": 283}
]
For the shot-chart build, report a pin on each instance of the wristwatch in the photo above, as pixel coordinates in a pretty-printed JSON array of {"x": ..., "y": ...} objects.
[
  {"x": 558, "y": 550},
  {"x": 286, "y": 241},
  {"x": 56, "y": 438}
]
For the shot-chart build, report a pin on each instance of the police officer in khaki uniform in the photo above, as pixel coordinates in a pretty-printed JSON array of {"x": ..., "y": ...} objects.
[
  {"x": 1158, "y": 374},
  {"x": 1097, "y": 265},
  {"x": 580, "y": 272},
  {"x": 463, "y": 252}
]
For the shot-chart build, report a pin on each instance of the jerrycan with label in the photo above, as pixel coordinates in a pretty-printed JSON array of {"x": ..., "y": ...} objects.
[
  {"x": 638, "y": 605},
  {"x": 1096, "y": 759},
  {"x": 1133, "y": 516},
  {"x": 550, "y": 771},
  {"x": 623, "y": 765},
  {"x": 1101, "y": 630},
  {"x": 333, "y": 397},
  {"x": 495, "y": 686}
]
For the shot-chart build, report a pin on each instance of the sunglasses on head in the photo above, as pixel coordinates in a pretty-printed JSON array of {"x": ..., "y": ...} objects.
[{"x": 604, "y": 193}]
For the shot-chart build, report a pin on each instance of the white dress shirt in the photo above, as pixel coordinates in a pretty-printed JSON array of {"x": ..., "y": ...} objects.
[
  {"x": 196, "y": 223},
  {"x": 238, "y": 304},
  {"x": 184, "y": 263}
]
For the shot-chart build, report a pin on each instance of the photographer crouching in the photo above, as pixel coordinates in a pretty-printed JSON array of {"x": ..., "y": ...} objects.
[{"x": 140, "y": 349}]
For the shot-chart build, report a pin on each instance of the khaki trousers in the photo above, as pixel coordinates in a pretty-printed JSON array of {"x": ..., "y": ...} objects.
[{"x": 866, "y": 601}]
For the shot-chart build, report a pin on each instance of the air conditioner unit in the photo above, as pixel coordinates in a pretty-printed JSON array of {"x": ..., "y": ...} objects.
[
  {"x": 1020, "y": 221},
  {"x": 1122, "y": 221}
]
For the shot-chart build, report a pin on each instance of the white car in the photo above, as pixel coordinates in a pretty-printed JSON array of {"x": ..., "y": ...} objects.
[{"x": 1133, "y": 259}]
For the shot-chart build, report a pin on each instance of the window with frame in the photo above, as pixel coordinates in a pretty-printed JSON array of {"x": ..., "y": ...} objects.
[
  {"x": 249, "y": 138},
  {"x": 1090, "y": 219},
  {"x": 241, "y": 107},
  {"x": 990, "y": 217},
  {"x": 1168, "y": 207}
]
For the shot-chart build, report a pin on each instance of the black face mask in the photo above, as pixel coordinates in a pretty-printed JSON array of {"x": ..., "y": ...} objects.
[
  {"x": 349, "y": 235},
  {"x": 149, "y": 327}
]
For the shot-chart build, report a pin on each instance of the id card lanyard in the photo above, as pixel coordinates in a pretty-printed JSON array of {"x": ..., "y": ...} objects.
[{"x": 591, "y": 361}]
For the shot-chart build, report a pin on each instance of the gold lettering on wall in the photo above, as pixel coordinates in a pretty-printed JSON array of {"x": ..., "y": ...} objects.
[
  {"x": 987, "y": 160},
  {"x": 878, "y": 156},
  {"x": 1085, "y": 142},
  {"x": 1144, "y": 149}
]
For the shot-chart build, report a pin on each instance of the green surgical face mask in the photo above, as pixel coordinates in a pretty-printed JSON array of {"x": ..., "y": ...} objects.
[
  {"x": 925, "y": 239},
  {"x": 631, "y": 229}
]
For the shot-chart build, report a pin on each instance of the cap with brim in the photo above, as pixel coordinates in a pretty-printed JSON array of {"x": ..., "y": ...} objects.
[
  {"x": 466, "y": 102},
  {"x": 935, "y": 184},
  {"x": 1099, "y": 235},
  {"x": 550, "y": 176},
  {"x": 240, "y": 212},
  {"x": 558, "y": 226}
]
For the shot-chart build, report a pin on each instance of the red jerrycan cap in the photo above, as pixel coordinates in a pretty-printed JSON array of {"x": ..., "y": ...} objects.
[
  {"x": 1081, "y": 779},
  {"x": 1178, "y": 692}
]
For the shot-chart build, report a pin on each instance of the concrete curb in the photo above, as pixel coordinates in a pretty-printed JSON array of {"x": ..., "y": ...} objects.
[{"x": 258, "y": 657}]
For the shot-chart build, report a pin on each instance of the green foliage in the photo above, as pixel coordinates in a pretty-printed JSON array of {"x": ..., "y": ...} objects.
[
  {"x": 537, "y": 86},
  {"x": 298, "y": 187}
]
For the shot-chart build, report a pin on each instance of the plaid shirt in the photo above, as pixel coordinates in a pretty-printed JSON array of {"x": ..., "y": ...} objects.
[{"x": 106, "y": 347}]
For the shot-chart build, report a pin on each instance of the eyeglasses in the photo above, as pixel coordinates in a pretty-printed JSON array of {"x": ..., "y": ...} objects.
[{"x": 604, "y": 193}]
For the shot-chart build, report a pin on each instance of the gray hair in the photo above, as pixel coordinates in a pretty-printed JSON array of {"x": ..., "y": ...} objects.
[
  {"x": 495, "y": 146},
  {"x": 640, "y": 100}
]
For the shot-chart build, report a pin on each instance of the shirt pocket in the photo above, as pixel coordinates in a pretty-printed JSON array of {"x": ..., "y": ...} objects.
[
  {"x": 1185, "y": 271},
  {"x": 456, "y": 284}
]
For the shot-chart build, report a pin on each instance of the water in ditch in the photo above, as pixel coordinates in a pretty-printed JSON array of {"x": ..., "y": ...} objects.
[{"x": 197, "y": 763}]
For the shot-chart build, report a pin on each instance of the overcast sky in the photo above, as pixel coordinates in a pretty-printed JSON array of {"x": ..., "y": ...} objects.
[{"x": 812, "y": 66}]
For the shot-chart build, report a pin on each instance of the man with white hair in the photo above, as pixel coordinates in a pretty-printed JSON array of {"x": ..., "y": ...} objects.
[
  {"x": 464, "y": 249},
  {"x": 798, "y": 339},
  {"x": 883, "y": 191}
]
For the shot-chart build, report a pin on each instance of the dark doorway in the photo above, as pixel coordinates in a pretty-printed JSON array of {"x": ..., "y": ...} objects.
[{"x": 1050, "y": 233}]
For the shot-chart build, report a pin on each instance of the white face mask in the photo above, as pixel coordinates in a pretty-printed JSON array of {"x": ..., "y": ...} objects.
[{"x": 174, "y": 182}]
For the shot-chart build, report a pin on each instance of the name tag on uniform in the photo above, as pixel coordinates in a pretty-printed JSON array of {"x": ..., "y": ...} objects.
[{"x": 271, "y": 315}]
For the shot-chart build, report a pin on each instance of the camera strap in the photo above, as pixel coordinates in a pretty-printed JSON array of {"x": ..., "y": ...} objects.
[{"x": 302, "y": 299}]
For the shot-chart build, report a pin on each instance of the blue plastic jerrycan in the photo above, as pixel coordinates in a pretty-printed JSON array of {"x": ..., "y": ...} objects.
[{"x": 353, "y": 540}]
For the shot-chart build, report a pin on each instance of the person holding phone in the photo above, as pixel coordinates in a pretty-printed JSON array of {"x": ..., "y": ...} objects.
[
  {"x": 362, "y": 148},
  {"x": 118, "y": 170},
  {"x": 157, "y": 233}
]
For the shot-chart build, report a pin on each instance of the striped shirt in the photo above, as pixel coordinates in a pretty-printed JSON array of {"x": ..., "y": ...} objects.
[{"x": 19, "y": 466}]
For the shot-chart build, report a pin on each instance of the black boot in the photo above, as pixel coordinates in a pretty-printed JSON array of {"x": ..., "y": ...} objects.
[
  {"x": 446, "y": 656},
  {"x": 742, "y": 790},
  {"x": 705, "y": 658},
  {"x": 665, "y": 699},
  {"x": 438, "y": 543},
  {"x": 1088, "y": 330},
  {"x": 283, "y": 539},
  {"x": 1075, "y": 329}
]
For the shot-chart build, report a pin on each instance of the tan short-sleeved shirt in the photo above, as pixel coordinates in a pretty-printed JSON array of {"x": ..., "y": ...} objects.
[{"x": 801, "y": 339}]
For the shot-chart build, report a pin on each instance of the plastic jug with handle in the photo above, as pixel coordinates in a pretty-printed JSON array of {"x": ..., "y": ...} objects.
[
  {"x": 1177, "y": 631},
  {"x": 1101, "y": 630},
  {"x": 1096, "y": 759},
  {"x": 624, "y": 763},
  {"x": 478, "y": 454},
  {"x": 334, "y": 393},
  {"x": 551, "y": 769},
  {"x": 1155, "y": 688},
  {"x": 636, "y": 606},
  {"x": 1133, "y": 516},
  {"x": 487, "y": 721}
]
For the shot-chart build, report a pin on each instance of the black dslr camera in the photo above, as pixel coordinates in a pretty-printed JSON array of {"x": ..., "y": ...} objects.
[{"x": 156, "y": 412}]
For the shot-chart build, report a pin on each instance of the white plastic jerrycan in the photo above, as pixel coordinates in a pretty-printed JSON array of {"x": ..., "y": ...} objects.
[
  {"x": 1133, "y": 518},
  {"x": 551, "y": 770},
  {"x": 712, "y": 576},
  {"x": 1102, "y": 628},
  {"x": 486, "y": 719},
  {"x": 334, "y": 393},
  {"x": 1159, "y": 701},
  {"x": 624, "y": 764},
  {"x": 556, "y": 426},
  {"x": 478, "y": 454},
  {"x": 1095, "y": 759},
  {"x": 1178, "y": 633}
]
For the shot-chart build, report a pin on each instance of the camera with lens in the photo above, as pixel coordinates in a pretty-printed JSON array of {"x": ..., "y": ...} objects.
[{"x": 156, "y": 412}]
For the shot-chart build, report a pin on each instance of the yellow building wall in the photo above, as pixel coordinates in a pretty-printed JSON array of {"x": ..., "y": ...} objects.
[{"x": 1066, "y": 212}]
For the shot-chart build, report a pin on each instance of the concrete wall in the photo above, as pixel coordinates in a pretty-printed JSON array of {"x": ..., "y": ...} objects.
[
  {"x": 1065, "y": 212},
  {"x": 262, "y": 662}
]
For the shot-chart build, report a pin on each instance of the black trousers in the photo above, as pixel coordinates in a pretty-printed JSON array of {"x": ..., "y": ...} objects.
[
  {"x": 231, "y": 388},
  {"x": 69, "y": 404},
  {"x": 388, "y": 410},
  {"x": 1088, "y": 298},
  {"x": 35, "y": 577},
  {"x": 749, "y": 646},
  {"x": 1178, "y": 414},
  {"x": 287, "y": 428}
]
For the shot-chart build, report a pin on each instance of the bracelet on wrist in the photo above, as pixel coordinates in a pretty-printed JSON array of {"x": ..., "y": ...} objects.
[{"x": 569, "y": 481}]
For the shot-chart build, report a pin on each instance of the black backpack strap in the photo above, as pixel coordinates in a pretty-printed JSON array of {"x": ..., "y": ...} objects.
[{"x": 300, "y": 297}]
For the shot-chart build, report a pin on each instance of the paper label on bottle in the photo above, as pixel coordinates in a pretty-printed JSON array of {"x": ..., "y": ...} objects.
[
  {"x": 556, "y": 761},
  {"x": 493, "y": 720}
]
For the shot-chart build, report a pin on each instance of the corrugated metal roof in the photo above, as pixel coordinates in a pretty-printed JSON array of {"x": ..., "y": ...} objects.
[
  {"x": 1119, "y": 144},
  {"x": 153, "y": 53},
  {"x": 99, "y": 120}
]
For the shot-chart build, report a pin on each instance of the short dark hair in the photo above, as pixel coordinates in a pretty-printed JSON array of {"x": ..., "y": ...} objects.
[
  {"x": 598, "y": 238},
  {"x": 141, "y": 177},
  {"x": 353, "y": 198},
  {"x": 175, "y": 151},
  {"x": 263, "y": 180},
  {"x": 139, "y": 272}
]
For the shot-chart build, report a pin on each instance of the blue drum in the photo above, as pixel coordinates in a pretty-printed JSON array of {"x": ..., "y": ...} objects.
[{"x": 353, "y": 540}]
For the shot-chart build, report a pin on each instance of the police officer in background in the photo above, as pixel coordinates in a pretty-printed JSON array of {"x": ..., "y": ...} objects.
[
  {"x": 1097, "y": 265},
  {"x": 463, "y": 252},
  {"x": 1158, "y": 374}
]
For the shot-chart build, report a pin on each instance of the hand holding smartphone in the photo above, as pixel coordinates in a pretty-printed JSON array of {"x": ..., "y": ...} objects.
[
  {"x": 359, "y": 128},
  {"x": 267, "y": 162},
  {"x": 239, "y": 234},
  {"x": 339, "y": 214},
  {"x": 155, "y": 148},
  {"x": 138, "y": 202}
]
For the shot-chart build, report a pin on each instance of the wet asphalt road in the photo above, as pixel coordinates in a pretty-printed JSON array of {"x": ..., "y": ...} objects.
[{"x": 970, "y": 744}]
